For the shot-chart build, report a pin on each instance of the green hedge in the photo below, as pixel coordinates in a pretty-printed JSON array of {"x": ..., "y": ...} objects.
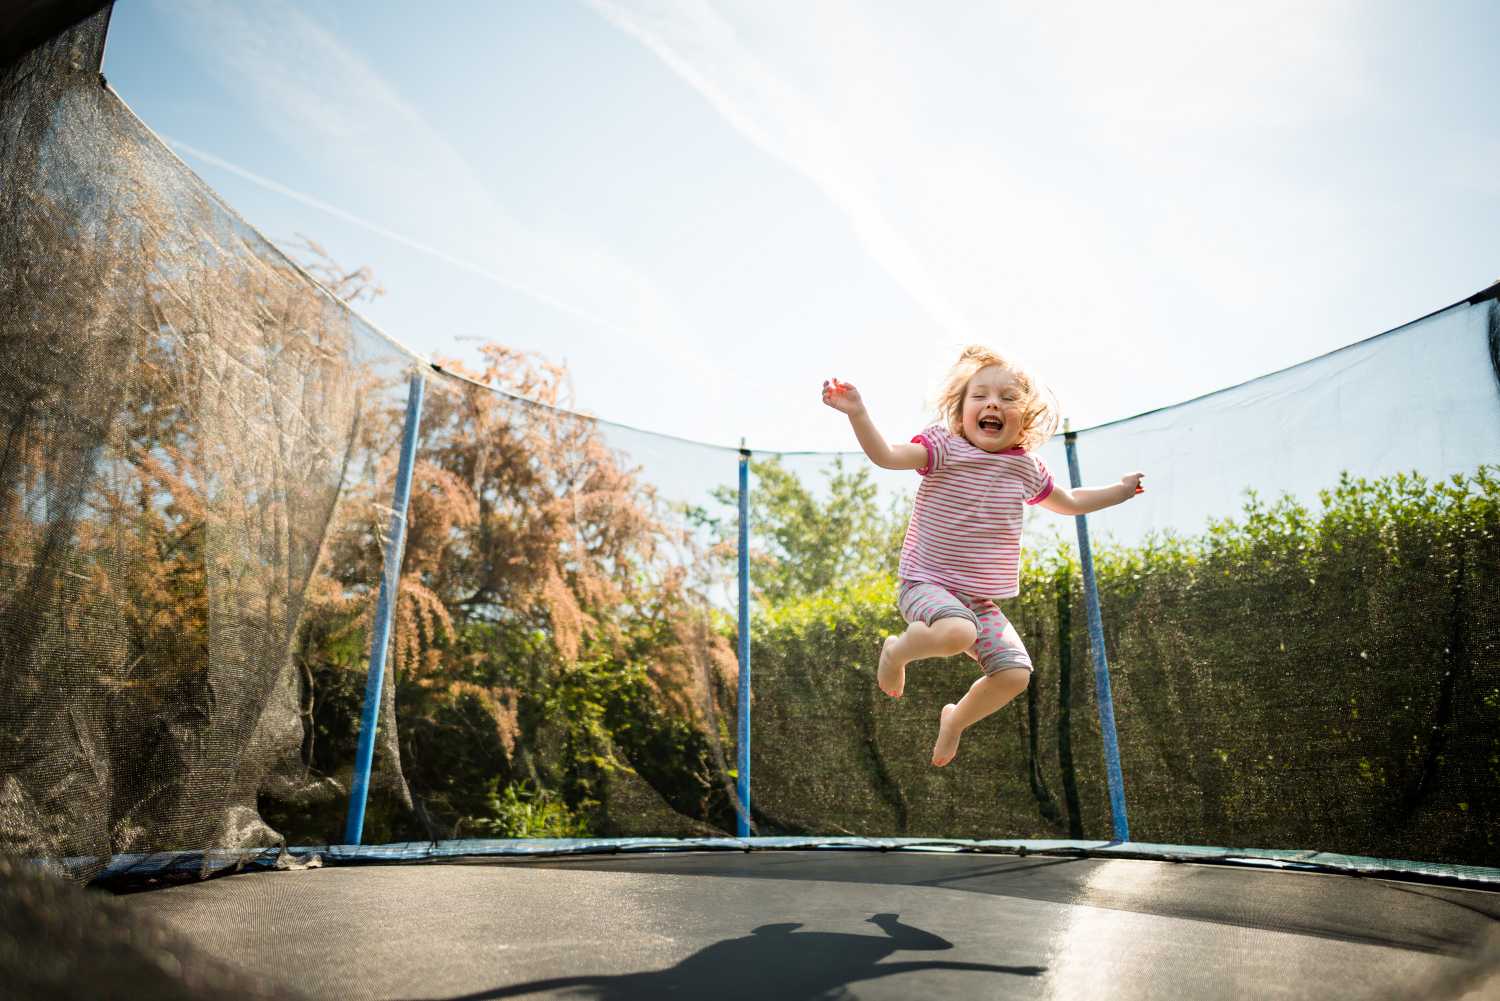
[{"x": 1288, "y": 679}]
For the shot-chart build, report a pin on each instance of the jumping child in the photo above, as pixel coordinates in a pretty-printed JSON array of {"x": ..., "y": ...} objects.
[{"x": 963, "y": 543}]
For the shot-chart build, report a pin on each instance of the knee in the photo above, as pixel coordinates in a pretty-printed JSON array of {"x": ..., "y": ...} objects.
[
  {"x": 956, "y": 634},
  {"x": 1014, "y": 680}
]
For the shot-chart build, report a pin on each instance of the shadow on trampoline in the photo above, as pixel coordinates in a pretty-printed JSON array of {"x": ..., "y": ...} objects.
[{"x": 773, "y": 961}]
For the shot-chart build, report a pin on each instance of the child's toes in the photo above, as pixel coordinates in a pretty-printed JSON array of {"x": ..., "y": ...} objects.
[
  {"x": 946, "y": 747},
  {"x": 890, "y": 676}
]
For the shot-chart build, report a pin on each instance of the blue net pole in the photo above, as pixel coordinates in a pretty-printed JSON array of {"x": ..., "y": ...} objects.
[
  {"x": 742, "y": 784},
  {"x": 1101, "y": 661},
  {"x": 354, "y": 822}
]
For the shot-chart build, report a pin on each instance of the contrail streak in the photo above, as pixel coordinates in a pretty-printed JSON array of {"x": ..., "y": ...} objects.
[{"x": 389, "y": 234}]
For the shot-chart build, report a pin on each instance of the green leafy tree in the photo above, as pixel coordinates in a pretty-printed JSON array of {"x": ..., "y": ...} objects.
[{"x": 804, "y": 541}]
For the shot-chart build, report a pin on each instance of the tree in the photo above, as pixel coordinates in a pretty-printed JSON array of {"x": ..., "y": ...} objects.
[
  {"x": 547, "y": 630},
  {"x": 802, "y": 541}
]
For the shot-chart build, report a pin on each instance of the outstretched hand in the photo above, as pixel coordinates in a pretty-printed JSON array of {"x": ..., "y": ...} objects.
[
  {"x": 842, "y": 397},
  {"x": 1133, "y": 481}
]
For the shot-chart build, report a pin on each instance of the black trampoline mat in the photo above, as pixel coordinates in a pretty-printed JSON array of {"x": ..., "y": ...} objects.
[{"x": 802, "y": 925}]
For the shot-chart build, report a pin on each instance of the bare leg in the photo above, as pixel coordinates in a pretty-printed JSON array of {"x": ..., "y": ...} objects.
[
  {"x": 984, "y": 696},
  {"x": 943, "y": 638}
]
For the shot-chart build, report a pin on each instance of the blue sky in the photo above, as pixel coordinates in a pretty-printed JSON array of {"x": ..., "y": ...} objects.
[{"x": 705, "y": 209}]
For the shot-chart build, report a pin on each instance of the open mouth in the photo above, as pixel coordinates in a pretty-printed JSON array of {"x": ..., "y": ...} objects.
[{"x": 992, "y": 424}]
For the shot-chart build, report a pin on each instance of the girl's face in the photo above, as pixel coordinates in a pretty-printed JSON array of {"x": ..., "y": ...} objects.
[{"x": 994, "y": 406}]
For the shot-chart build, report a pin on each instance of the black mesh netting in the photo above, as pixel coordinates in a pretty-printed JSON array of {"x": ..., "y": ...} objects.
[
  {"x": 200, "y": 446},
  {"x": 183, "y": 412}
]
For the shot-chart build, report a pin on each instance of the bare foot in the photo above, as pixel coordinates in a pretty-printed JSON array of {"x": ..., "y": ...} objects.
[
  {"x": 890, "y": 676},
  {"x": 947, "y": 743}
]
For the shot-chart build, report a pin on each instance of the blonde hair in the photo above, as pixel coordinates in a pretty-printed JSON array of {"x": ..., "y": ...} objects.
[{"x": 1039, "y": 410}]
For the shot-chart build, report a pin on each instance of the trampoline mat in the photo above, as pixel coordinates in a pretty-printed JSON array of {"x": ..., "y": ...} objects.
[{"x": 847, "y": 924}]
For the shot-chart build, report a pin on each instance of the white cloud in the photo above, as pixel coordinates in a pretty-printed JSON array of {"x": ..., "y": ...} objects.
[{"x": 1182, "y": 65}]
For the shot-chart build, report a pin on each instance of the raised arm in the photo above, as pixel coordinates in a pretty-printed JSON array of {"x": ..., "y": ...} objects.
[
  {"x": 1083, "y": 500},
  {"x": 844, "y": 398}
]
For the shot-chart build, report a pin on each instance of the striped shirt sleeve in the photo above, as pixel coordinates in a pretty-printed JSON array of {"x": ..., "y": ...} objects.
[
  {"x": 935, "y": 440},
  {"x": 1043, "y": 481}
]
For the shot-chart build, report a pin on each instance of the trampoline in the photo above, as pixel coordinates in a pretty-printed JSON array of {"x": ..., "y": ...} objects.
[
  {"x": 940, "y": 921},
  {"x": 219, "y": 644}
]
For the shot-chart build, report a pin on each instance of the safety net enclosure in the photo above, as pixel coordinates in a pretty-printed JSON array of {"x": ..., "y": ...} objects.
[
  {"x": 281, "y": 594},
  {"x": 198, "y": 483},
  {"x": 184, "y": 414}
]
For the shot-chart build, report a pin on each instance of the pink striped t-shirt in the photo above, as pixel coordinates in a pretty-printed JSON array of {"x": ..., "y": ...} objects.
[{"x": 965, "y": 528}]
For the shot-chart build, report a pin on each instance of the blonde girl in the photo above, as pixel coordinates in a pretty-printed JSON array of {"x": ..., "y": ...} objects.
[{"x": 963, "y": 542}]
